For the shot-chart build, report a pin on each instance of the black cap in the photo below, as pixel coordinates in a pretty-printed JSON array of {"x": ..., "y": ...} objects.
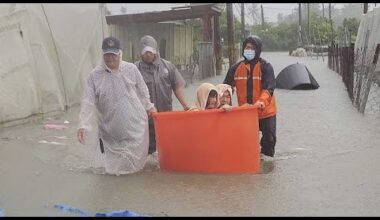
[{"x": 111, "y": 45}]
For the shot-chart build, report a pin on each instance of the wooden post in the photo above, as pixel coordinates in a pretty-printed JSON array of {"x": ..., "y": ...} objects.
[
  {"x": 242, "y": 22},
  {"x": 308, "y": 22},
  {"x": 262, "y": 16},
  {"x": 206, "y": 28},
  {"x": 300, "y": 44},
  {"x": 331, "y": 24},
  {"x": 217, "y": 46}
]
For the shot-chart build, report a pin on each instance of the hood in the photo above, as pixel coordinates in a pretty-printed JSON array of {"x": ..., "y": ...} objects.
[
  {"x": 203, "y": 92},
  {"x": 222, "y": 88},
  {"x": 256, "y": 41},
  {"x": 149, "y": 41}
]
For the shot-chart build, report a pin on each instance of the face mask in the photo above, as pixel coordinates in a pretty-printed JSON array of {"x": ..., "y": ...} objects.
[{"x": 249, "y": 54}]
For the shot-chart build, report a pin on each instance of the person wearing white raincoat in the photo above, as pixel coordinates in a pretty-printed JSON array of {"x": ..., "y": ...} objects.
[{"x": 117, "y": 93}]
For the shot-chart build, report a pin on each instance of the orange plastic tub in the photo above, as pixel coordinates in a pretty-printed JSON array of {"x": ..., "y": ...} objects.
[{"x": 211, "y": 141}]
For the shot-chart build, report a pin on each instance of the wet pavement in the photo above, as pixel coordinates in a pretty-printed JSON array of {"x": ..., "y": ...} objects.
[{"x": 326, "y": 164}]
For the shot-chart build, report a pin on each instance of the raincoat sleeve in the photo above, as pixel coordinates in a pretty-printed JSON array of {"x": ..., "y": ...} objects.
[
  {"x": 229, "y": 80},
  {"x": 142, "y": 90},
  {"x": 87, "y": 105},
  {"x": 268, "y": 83}
]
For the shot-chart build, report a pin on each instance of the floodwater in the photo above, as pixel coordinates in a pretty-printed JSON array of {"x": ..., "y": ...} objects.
[{"x": 326, "y": 164}]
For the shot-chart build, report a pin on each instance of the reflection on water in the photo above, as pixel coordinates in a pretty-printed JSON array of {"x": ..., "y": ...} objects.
[{"x": 266, "y": 167}]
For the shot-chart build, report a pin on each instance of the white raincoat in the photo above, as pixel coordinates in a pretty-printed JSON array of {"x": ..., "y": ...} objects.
[{"x": 121, "y": 101}]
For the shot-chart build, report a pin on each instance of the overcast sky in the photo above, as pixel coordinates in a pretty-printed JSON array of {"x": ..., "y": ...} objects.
[{"x": 271, "y": 10}]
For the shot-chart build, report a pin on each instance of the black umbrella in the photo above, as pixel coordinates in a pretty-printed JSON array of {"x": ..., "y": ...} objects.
[{"x": 296, "y": 76}]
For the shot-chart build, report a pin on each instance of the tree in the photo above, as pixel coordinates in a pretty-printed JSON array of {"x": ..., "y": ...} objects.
[
  {"x": 350, "y": 10},
  {"x": 253, "y": 13},
  {"x": 320, "y": 29},
  {"x": 223, "y": 31},
  {"x": 293, "y": 17},
  {"x": 282, "y": 37},
  {"x": 350, "y": 26},
  {"x": 280, "y": 18}
]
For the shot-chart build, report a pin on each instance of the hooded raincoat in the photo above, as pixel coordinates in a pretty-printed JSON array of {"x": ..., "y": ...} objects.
[
  {"x": 203, "y": 92},
  {"x": 222, "y": 88},
  {"x": 161, "y": 76},
  {"x": 120, "y": 101}
]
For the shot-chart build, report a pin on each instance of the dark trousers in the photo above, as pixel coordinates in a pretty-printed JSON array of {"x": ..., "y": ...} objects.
[
  {"x": 152, "y": 137},
  {"x": 268, "y": 140}
]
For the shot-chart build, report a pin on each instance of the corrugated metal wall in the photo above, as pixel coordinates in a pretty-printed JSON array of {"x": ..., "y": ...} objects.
[{"x": 179, "y": 40}]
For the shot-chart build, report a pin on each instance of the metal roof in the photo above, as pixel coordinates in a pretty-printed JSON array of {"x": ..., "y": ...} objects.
[{"x": 177, "y": 13}]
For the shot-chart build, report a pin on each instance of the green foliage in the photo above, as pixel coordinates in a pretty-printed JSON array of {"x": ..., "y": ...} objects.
[
  {"x": 284, "y": 36},
  {"x": 351, "y": 25},
  {"x": 224, "y": 32},
  {"x": 277, "y": 38},
  {"x": 320, "y": 30}
]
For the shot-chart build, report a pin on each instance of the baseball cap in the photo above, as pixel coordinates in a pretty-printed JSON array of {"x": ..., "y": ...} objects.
[
  {"x": 148, "y": 48},
  {"x": 111, "y": 45}
]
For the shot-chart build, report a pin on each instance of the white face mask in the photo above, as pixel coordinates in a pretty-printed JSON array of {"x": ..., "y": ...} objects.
[{"x": 249, "y": 54}]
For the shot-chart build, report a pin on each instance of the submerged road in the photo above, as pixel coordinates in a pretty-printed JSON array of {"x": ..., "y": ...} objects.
[{"x": 326, "y": 164}]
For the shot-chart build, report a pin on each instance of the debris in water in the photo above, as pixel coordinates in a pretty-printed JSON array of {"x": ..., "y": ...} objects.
[
  {"x": 54, "y": 126},
  {"x": 120, "y": 213},
  {"x": 47, "y": 142},
  {"x": 72, "y": 210}
]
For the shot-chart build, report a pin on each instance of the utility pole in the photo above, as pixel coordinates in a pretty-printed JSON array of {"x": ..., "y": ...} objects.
[
  {"x": 323, "y": 11},
  {"x": 217, "y": 46},
  {"x": 331, "y": 24},
  {"x": 365, "y": 8},
  {"x": 262, "y": 16},
  {"x": 242, "y": 22},
  {"x": 299, "y": 26},
  {"x": 308, "y": 21},
  {"x": 230, "y": 35},
  {"x": 253, "y": 13}
]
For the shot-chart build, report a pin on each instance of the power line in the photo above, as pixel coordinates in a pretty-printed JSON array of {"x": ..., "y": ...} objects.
[{"x": 282, "y": 9}]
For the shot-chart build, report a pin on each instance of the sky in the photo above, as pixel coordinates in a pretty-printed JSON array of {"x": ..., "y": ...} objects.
[{"x": 271, "y": 10}]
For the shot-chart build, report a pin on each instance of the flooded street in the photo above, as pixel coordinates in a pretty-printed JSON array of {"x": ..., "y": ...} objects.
[{"x": 326, "y": 164}]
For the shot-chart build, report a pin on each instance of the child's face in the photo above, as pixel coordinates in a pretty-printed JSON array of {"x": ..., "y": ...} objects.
[
  {"x": 226, "y": 98},
  {"x": 212, "y": 102}
]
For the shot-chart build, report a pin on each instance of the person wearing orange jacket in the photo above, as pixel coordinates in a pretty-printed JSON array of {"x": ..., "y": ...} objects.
[{"x": 255, "y": 82}]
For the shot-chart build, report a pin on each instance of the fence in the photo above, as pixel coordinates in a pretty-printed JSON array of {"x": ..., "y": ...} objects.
[
  {"x": 201, "y": 65},
  {"x": 359, "y": 74},
  {"x": 341, "y": 60},
  {"x": 358, "y": 64}
]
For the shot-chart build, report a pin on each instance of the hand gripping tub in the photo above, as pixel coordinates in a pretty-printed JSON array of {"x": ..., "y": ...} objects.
[{"x": 211, "y": 141}]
